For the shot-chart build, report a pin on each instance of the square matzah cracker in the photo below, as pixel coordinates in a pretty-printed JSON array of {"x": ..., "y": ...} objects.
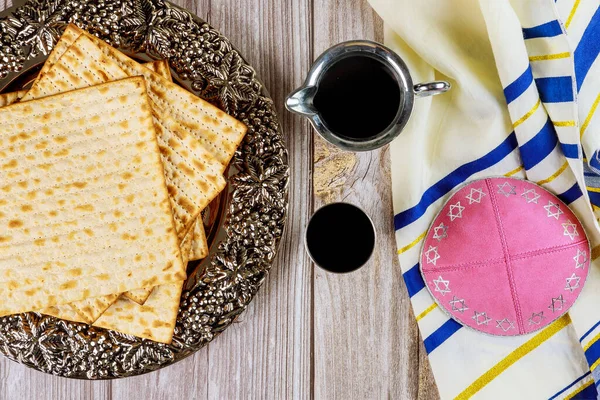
[
  {"x": 83, "y": 199},
  {"x": 88, "y": 310},
  {"x": 193, "y": 175},
  {"x": 218, "y": 132},
  {"x": 70, "y": 35}
]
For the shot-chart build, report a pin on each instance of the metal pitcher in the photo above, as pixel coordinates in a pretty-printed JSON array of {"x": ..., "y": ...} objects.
[{"x": 301, "y": 100}]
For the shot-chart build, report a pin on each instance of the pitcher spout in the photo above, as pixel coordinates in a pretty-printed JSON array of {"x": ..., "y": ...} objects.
[{"x": 301, "y": 101}]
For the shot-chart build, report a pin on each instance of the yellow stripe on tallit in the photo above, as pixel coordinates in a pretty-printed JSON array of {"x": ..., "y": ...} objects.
[
  {"x": 515, "y": 356},
  {"x": 528, "y": 114},
  {"x": 554, "y": 175},
  {"x": 412, "y": 244},
  {"x": 426, "y": 311}
]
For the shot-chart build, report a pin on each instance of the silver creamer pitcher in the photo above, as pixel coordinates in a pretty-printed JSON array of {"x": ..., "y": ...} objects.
[{"x": 302, "y": 101}]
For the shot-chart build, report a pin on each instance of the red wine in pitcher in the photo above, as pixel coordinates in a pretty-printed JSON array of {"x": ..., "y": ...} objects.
[{"x": 358, "y": 97}]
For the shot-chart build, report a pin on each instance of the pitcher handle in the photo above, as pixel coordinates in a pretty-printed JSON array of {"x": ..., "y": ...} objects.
[{"x": 431, "y": 88}]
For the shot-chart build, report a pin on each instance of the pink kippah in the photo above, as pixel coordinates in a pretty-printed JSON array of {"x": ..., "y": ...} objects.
[{"x": 505, "y": 257}]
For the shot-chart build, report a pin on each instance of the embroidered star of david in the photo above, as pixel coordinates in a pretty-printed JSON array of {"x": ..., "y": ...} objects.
[
  {"x": 440, "y": 232},
  {"x": 481, "y": 318},
  {"x": 536, "y": 318},
  {"x": 570, "y": 285},
  {"x": 570, "y": 230},
  {"x": 455, "y": 211},
  {"x": 442, "y": 285},
  {"x": 506, "y": 189},
  {"x": 580, "y": 259},
  {"x": 553, "y": 210},
  {"x": 505, "y": 324},
  {"x": 557, "y": 303},
  {"x": 475, "y": 196},
  {"x": 432, "y": 255},
  {"x": 458, "y": 304},
  {"x": 530, "y": 196}
]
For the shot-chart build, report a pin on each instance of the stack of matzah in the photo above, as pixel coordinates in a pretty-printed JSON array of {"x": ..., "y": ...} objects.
[{"x": 106, "y": 166}]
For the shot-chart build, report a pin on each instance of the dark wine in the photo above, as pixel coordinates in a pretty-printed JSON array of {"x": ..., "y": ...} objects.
[
  {"x": 340, "y": 237},
  {"x": 358, "y": 97}
]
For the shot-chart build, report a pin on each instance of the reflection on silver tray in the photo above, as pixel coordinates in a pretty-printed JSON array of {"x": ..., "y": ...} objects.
[{"x": 248, "y": 221}]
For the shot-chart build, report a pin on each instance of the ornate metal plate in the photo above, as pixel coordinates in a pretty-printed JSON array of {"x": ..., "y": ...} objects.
[{"x": 246, "y": 223}]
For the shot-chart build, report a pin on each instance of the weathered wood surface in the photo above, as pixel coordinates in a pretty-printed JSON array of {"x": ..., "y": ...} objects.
[{"x": 307, "y": 334}]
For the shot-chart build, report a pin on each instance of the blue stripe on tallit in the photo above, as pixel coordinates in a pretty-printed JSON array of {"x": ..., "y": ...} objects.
[
  {"x": 587, "y": 50},
  {"x": 570, "y": 150},
  {"x": 592, "y": 354},
  {"x": 515, "y": 89},
  {"x": 594, "y": 198},
  {"x": 570, "y": 385},
  {"x": 442, "y": 334},
  {"x": 549, "y": 29},
  {"x": 589, "y": 393},
  {"x": 589, "y": 331},
  {"x": 571, "y": 194},
  {"x": 414, "y": 280},
  {"x": 453, "y": 179},
  {"x": 557, "y": 89},
  {"x": 538, "y": 147}
]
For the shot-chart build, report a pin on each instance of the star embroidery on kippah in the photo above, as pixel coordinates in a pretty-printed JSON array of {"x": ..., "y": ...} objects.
[
  {"x": 580, "y": 259},
  {"x": 445, "y": 285},
  {"x": 570, "y": 229},
  {"x": 506, "y": 189},
  {"x": 461, "y": 304},
  {"x": 553, "y": 206},
  {"x": 570, "y": 286},
  {"x": 481, "y": 318},
  {"x": 432, "y": 259},
  {"x": 505, "y": 324},
  {"x": 458, "y": 214},
  {"x": 536, "y": 318},
  {"x": 557, "y": 303},
  {"x": 440, "y": 232},
  {"x": 530, "y": 196},
  {"x": 475, "y": 196}
]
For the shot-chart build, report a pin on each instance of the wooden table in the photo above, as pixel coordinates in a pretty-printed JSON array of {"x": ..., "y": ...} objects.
[{"x": 308, "y": 333}]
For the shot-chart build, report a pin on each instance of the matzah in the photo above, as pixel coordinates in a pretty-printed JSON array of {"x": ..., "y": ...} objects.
[
  {"x": 99, "y": 184},
  {"x": 193, "y": 175},
  {"x": 199, "y": 247},
  {"x": 220, "y": 133},
  {"x": 161, "y": 67},
  {"x": 11, "y": 97},
  {"x": 154, "y": 320},
  {"x": 191, "y": 184},
  {"x": 88, "y": 310},
  {"x": 141, "y": 295},
  {"x": 69, "y": 36}
]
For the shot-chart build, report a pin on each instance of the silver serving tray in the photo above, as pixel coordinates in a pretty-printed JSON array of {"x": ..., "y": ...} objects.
[{"x": 244, "y": 225}]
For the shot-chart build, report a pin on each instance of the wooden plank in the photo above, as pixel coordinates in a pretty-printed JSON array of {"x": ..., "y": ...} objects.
[
  {"x": 19, "y": 382},
  {"x": 187, "y": 379},
  {"x": 268, "y": 354},
  {"x": 366, "y": 340}
]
